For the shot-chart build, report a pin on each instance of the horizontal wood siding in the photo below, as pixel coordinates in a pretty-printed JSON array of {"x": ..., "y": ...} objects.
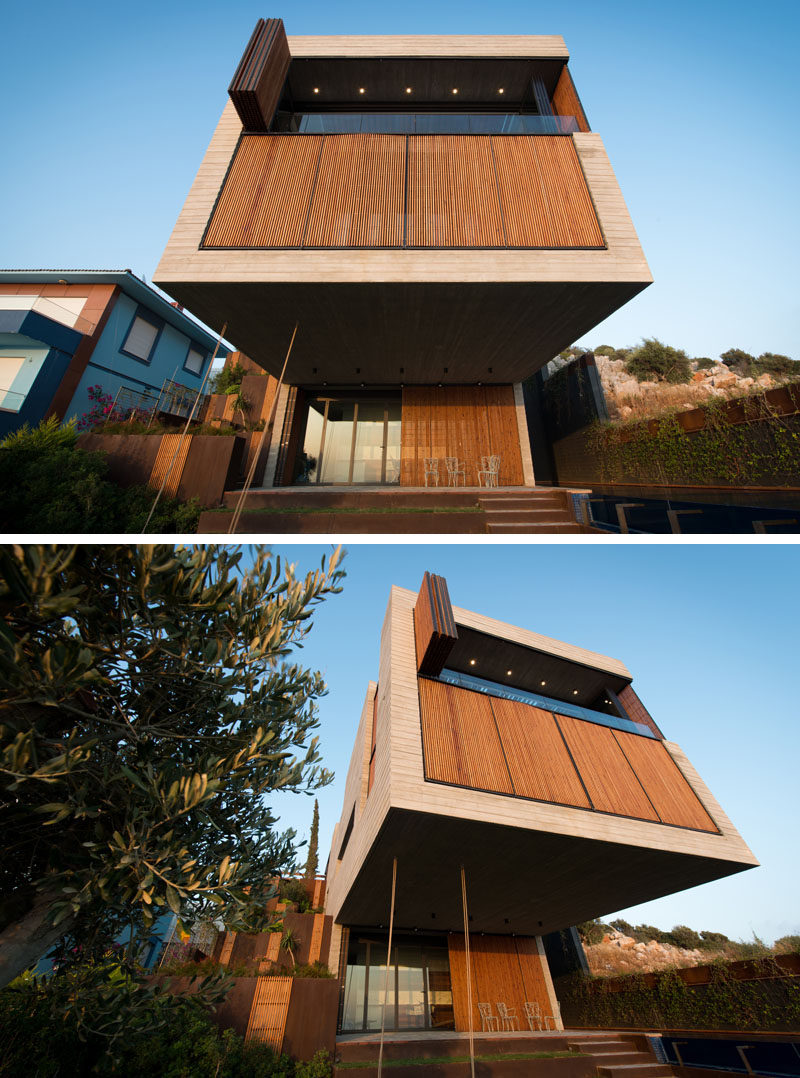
[
  {"x": 417, "y": 191},
  {"x": 452, "y": 192},
  {"x": 505, "y": 969},
  {"x": 460, "y": 739},
  {"x": 266, "y": 196},
  {"x": 358, "y": 196},
  {"x": 566, "y": 101},
  {"x": 538, "y": 761},
  {"x": 467, "y": 422},
  {"x": 609, "y": 779},
  {"x": 673, "y": 798},
  {"x": 545, "y": 199}
]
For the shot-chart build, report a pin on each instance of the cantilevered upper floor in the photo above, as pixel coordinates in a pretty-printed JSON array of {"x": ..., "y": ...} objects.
[
  {"x": 532, "y": 763},
  {"x": 427, "y": 209}
]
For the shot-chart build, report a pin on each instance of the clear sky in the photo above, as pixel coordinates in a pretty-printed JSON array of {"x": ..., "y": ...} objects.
[
  {"x": 708, "y": 632},
  {"x": 108, "y": 109}
]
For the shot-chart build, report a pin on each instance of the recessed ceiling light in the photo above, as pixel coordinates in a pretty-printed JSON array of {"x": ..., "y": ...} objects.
[
  {"x": 316, "y": 89},
  {"x": 574, "y": 692},
  {"x": 509, "y": 673},
  {"x": 455, "y": 90},
  {"x": 408, "y": 89},
  {"x": 472, "y": 662},
  {"x": 543, "y": 684},
  {"x": 501, "y": 90},
  {"x": 361, "y": 90}
]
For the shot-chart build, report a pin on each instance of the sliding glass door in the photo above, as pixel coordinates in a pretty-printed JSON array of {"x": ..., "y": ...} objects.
[{"x": 352, "y": 439}]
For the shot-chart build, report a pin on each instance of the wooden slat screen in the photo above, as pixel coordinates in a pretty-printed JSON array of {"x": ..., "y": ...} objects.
[
  {"x": 673, "y": 798},
  {"x": 609, "y": 779},
  {"x": 566, "y": 101},
  {"x": 538, "y": 760},
  {"x": 467, "y": 422},
  {"x": 505, "y": 746},
  {"x": 507, "y": 969},
  {"x": 434, "y": 625},
  {"x": 267, "y": 193},
  {"x": 377, "y": 191},
  {"x": 257, "y": 84},
  {"x": 452, "y": 192},
  {"x": 171, "y": 446},
  {"x": 268, "y": 1012},
  {"x": 358, "y": 196},
  {"x": 460, "y": 739},
  {"x": 546, "y": 202},
  {"x": 636, "y": 710}
]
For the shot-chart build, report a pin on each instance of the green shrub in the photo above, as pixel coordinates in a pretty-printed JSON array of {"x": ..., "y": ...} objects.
[
  {"x": 228, "y": 380},
  {"x": 294, "y": 891},
  {"x": 741, "y": 362},
  {"x": 704, "y": 363},
  {"x": 653, "y": 360},
  {"x": 683, "y": 936},
  {"x": 787, "y": 945},
  {"x": 319, "y": 1066},
  {"x": 47, "y": 484},
  {"x": 604, "y": 350},
  {"x": 774, "y": 363}
]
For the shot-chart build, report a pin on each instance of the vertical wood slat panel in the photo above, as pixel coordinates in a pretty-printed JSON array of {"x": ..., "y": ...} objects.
[
  {"x": 266, "y": 196},
  {"x": 316, "y": 938},
  {"x": 452, "y": 193},
  {"x": 673, "y": 798},
  {"x": 504, "y": 969},
  {"x": 460, "y": 740},
  {"x": 636, "y": 710},
  {"x": 274, "y": 946},
  {"x": 545, "y": 198},
  {"x": 268, "y": 1012},
  {"x": 538, "y": 760},
  {"x": 460, "y": 421},
  {"x": 610, "y": 780},
  {"x": 170, "y": 444},
  {"x": 257, "y": 83},
  {"x": 566, "y": 100},
  {"x": 359, "y": 192}
]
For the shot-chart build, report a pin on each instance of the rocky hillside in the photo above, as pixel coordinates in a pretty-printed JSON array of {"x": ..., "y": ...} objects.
[
  {"x": 618, "y": 953},
  {"x": 628, "y": 398}
]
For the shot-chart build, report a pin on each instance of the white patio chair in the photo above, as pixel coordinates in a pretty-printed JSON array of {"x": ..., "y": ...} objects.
[
  {"x": 507, "y": 1017},
  {"x": 455, "y": 468},
  {"x": 488, "y": 1020},
  {"x": 431, "y": 471},
  {"x": 555, "y": 1017},
  {"x": 533, "y": 1012},
  {"x": 490, "y": 470}
]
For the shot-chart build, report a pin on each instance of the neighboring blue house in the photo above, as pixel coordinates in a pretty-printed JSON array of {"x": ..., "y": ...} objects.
[{"x": 62, "y": 331}]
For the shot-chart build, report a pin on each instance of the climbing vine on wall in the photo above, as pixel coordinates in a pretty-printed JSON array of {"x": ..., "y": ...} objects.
[
  {"x": 664, "y": 1000},
  {"x": 755, "y": 444}
]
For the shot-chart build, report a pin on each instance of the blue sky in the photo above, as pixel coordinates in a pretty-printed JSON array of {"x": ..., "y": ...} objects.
[
  {"x": 108, "y": 110},
  {"x": 708, "y": 632}
]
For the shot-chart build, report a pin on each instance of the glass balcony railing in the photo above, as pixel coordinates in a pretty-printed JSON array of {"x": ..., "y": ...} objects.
[
  {"x": 547, "y": 703},
  {"x": 424, "y": 123}
]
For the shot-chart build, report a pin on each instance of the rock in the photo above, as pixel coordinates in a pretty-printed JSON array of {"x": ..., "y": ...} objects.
[
  {"x": 765, "y": 380},
  {"x": 724, "y": 381},
  {"x": 699, "y": 376}
]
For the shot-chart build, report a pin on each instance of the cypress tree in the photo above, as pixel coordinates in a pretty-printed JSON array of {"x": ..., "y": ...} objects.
[{"x": 313, "y": 842}]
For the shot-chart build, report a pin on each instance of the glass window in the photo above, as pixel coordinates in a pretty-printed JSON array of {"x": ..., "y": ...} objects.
[
  {"x": 141, "y": 339},
  {"x": 194, "y": 361}
]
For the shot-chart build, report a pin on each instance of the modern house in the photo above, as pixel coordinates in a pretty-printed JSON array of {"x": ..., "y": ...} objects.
[
  {"x": 505, "y": 783},
  {"x": 435, "y": 218},
  {"x": 62, "y": 331},
  {"x": 525, "y": 768}
]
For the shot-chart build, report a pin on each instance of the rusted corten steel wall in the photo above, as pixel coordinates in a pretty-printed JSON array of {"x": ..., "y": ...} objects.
[
  {"x": 467, "y": 422},
  {"x": 415, "y": 191},
  {"x": 504, "y": 746}
]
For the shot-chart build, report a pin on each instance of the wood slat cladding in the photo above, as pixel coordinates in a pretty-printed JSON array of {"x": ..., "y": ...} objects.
[
  {"x": 504, "y": 968},
  {"x": 416, "y": 191},
  {"x": 671, "y": 795},
  {"x": 266, "y": 195},
  {"x": 545, "y": 198},
  {"x": 359, "y": 192},
  {"x": 566, "y": 101},
  {"x": 268, "y": 1014},
  {"x": 637, "y": 711},
  {"x": 467, "y": 422},
  {"x": 460, "y": 740},
  {"x": 538, "y": 761},
  {"x": 434, "y": 628},
  {"x": 610, "y": 780},
  {"x": 452, "y": 193},
  {"x": 371, "y": 775},
  {"x": 256, "y": 87}
]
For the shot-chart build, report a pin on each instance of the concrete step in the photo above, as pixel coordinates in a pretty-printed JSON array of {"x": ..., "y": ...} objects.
[
  {"x": 645, "y": 1069},
  {"x": 524, "y": 515},
  {"x": 566, "y": 527}
]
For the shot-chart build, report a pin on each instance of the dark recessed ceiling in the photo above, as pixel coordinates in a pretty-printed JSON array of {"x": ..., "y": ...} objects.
[
  {"x": 431, "y": 80},
  {"x": 538, "y": 881},
  {"x": 529, "y": 668}
]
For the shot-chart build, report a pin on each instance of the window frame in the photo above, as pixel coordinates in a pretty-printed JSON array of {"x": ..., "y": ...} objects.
[
  {"x": 194, "y": 347},
  {"x": 152, "y": 320}
]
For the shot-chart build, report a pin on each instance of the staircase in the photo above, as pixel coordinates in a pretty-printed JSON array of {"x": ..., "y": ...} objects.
[
  {"x": 621, "y": 1057},
  {"x": 530, "y": 512}
]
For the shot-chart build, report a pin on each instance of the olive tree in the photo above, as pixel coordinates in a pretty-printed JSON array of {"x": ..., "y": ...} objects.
[{"x": 151, "y": 702}]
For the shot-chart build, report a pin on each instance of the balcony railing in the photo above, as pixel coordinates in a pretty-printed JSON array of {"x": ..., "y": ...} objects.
[{"x": 423, "y": 123}]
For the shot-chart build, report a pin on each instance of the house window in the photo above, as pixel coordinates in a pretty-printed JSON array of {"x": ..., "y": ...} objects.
[
  {"x": 194, "y": 361},
  {"x": 141, "y": 339}
]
